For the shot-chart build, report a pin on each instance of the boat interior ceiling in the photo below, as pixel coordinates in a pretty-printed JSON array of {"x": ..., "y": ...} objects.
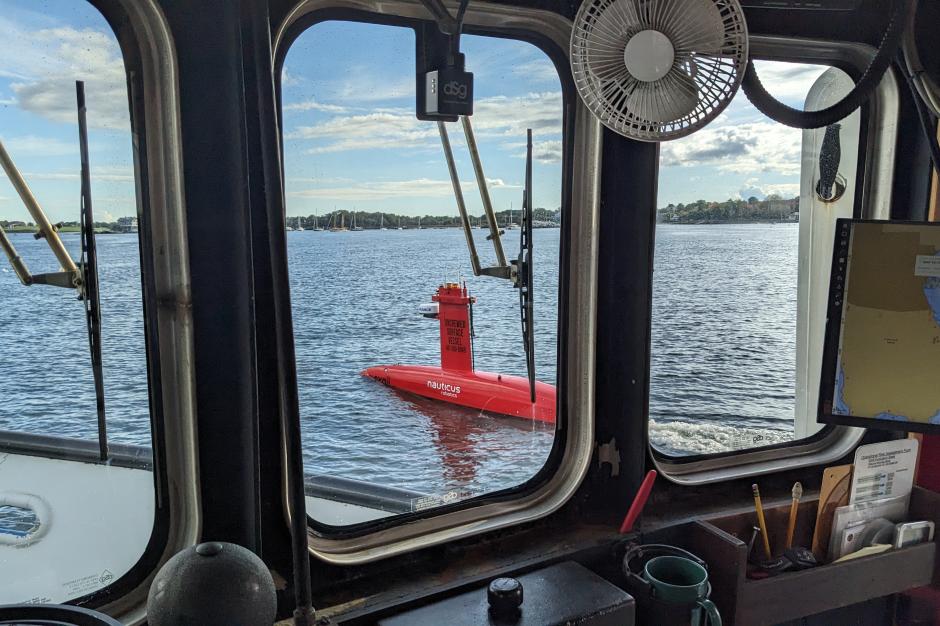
[{"x": 422, "y": 312}]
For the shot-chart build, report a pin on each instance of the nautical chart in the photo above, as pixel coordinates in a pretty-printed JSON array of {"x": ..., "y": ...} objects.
[{"x": 889, "y": 352}]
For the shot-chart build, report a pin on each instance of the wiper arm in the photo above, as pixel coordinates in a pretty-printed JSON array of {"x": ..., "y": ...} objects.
[
  {"x": 502, "y": 269},
  {"x": 70, "y": 276}
]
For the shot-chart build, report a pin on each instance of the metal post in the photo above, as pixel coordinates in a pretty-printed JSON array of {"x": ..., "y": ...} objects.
[
  {"x": 22, "y": 272},
  {"x": 484, "y": 191},
  {"x": 45, "y": 227},
  {"x": 458, "y": 193}
]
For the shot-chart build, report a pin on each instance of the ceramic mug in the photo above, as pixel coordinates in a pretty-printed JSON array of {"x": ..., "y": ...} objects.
[{"x": 678, "y": 580}]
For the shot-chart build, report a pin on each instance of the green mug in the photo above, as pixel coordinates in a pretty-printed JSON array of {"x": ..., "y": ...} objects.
[{"x": 678, "y": 580}]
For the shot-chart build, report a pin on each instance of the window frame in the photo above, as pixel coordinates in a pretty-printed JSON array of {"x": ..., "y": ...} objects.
[
  {"x": 568, "y": 462},
  {"x": 875, "y": 169},
  {"x": 149, "y": 58}
]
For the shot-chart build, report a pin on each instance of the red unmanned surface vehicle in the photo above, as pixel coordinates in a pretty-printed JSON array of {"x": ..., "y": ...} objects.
[{"x": 455, "y": 381}]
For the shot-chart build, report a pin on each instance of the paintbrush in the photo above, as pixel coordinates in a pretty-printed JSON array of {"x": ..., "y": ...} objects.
[{"x": 794, "y": 507}]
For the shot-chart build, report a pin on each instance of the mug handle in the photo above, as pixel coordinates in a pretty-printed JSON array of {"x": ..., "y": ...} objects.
[{"x": 714, "y": 618}]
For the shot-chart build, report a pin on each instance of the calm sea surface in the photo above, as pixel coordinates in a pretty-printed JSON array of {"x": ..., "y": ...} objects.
[{"x": 722, "y": 363}]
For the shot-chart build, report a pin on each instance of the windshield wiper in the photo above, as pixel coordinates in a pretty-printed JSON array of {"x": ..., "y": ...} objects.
[{"x": 83, "y": 276}]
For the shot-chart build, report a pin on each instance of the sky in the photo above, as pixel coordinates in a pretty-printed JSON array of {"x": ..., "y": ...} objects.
[{"x": 351, "y": 137}]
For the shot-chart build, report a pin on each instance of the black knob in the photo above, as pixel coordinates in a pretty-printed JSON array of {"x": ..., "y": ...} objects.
[{"x": 505, "y": 597}]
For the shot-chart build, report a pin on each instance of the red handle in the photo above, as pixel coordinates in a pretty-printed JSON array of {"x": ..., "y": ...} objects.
[{"x": 638, "y": 502}]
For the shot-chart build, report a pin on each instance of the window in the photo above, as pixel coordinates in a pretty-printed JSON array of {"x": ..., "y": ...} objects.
[
  {"x": 70, "y": 525},
  {"x": 743, "y": 251},
  {"x": 374, "y": 233}
]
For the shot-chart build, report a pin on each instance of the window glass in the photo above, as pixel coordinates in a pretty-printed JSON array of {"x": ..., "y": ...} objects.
[
  {"x": 369, "y": 186},
  {"x": 740, "y": 269},
  {"x": 68, "y": 527}
]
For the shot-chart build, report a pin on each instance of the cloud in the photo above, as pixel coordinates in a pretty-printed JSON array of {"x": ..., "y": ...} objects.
[
  {"x": 287, "y": 79},
  {"x": 789, "y": 82},
  {"x": 32, "y": 145},
  {"x": 498, "y": 117},
  {"x": 313, "y": 105},
  {"x": 540, "y": 70},
  {"x": 361, "y": 84},
  {"x": 116, "y": 174},
  {"x": 383, "y": 190},
  {"x": 739, "y": 148},
  {"x": 753, "y": 187},
  {"x": 45, "y": 64},
  {"x": 383, "y": 128}
]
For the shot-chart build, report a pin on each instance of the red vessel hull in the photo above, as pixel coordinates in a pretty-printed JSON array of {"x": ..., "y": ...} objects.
[{"x": 493, "y": 393}]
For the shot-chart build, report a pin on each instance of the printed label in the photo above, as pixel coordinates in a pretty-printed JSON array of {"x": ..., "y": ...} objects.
[{"x": 928, "y": 266}]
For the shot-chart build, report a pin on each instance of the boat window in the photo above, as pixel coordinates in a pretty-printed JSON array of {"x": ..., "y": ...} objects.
[
  {"x": 746, "y": 217},
  {"x": 412, "y": 374},
  {"x": 74, "y": 516}
]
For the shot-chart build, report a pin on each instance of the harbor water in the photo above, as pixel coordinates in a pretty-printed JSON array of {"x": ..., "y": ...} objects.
[{"x": 723, "y": 349}]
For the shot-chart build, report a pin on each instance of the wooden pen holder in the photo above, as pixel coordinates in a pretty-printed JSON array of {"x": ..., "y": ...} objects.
[{"x": 722, "y": 543}]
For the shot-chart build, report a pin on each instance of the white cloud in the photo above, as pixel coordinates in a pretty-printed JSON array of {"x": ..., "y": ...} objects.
[
  {"x": 739, "y": 148},
  {"x": 383, "y": 190},
  {"x": 753, "y": 187},
  {"x": 383, "y": 128},
  {"x": 287, "y": 79},
  {"x": 46, "y": 63},
  {"x": 397, "y": 128},
  {"x": 32, "y": 145},
  {"x": 314, "y": 105},
  {"x": 540, "y": 70},
  {"x": 104, "y": 174},
  {"x": 789, "y": 82},
  {"x": 362, "y": 84}
]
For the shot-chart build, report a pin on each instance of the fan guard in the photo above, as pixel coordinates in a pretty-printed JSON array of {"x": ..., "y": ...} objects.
[{"x": 655, "y": 70}]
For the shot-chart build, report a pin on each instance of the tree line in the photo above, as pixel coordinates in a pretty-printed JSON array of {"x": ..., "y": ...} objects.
[
  {"x": 372, "y": 220},
  {"x": 773, "y": 208}
]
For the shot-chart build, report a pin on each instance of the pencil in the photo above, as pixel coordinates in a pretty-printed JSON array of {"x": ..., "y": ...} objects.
[
  {"x": 760, "y": 520},
  {"x": 794, "y": 507}
]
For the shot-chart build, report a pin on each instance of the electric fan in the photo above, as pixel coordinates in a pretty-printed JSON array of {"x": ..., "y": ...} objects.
[{"x": 658, "y": 69}]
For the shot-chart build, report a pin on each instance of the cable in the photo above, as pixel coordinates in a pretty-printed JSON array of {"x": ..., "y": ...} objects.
[
  {"x": 927, "y": 122},
  {"x": 789, "y": 116}
]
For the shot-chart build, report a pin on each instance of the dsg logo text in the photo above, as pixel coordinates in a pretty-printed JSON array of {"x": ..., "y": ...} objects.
[{"x": 453, "y": 88}]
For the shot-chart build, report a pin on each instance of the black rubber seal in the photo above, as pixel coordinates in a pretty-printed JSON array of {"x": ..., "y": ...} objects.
[{"x": 869, "y": 80}]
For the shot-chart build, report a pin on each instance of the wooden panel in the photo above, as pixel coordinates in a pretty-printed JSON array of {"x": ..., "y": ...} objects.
[
  {"x": 794, "y": 595},
  {"x": 798, "y": 594}
]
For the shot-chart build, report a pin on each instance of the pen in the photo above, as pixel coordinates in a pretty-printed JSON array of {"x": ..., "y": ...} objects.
[
  {"x": 794, "y": 506},
  {"x": 760, "y": 520}
]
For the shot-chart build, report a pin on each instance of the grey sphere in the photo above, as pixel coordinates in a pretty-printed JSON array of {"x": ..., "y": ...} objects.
[{"x": 212, "y": 584}]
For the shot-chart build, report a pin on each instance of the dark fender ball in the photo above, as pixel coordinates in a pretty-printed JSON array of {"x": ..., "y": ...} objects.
[{"x": 212, "y": 584}]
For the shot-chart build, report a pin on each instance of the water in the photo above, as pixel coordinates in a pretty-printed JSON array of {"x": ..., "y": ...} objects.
[
  {"x": 723, "y": 349},
  {"x": 722, "y": 362}
]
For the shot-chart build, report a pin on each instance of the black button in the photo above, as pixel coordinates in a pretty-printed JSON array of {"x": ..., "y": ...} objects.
[{"x": 505, "y": 597}]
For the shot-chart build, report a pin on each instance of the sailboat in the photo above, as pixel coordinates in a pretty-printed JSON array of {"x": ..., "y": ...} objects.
[
  {"x": 399, "y": 223},
  {"x": 354, "y": 227},
  {"x": 382, "y": 222},
  {"x": 342, "y": 223},
  {"x": 419, "y": 222},
  {"x": 316, "y": 223},
  {"x": 299, "y": 226},
  {"x": 510, "y": 225}
]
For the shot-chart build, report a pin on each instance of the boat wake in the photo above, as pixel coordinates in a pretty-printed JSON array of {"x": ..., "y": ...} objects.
[{"x": 691, "y": 438}]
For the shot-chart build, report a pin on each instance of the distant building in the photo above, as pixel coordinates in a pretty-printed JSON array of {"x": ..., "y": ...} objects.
[{"x": 127, "y": 225}]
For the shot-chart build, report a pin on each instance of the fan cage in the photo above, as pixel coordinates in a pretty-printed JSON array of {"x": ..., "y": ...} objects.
[{"x": 600, "y": 35}]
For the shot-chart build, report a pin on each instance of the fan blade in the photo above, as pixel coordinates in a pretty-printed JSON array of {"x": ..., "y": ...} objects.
[
  {"x": 666, "y": 100},
  {"x": 694, "y": 26}
]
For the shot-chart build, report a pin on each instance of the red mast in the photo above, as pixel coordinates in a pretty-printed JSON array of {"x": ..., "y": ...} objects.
[{"x": 454, "y": 315}]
